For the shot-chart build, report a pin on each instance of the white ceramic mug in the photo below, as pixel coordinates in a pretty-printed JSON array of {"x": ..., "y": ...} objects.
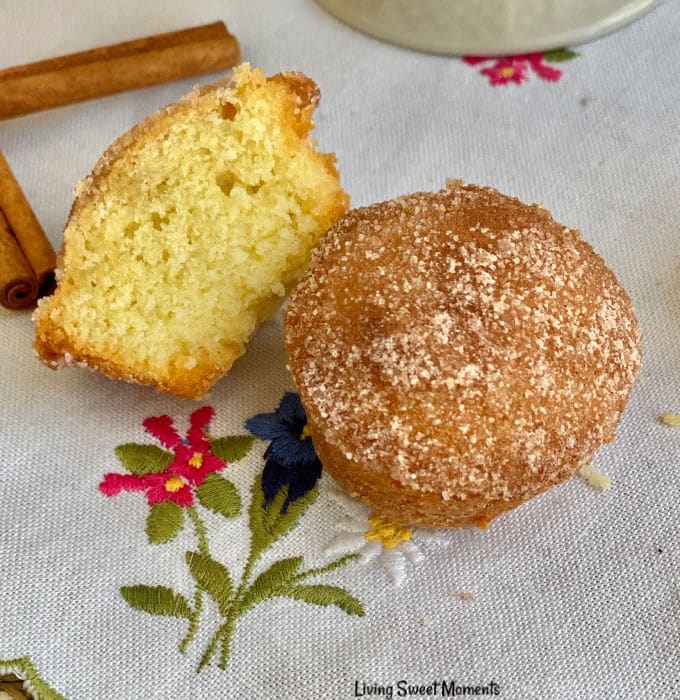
[{"x": 486, "y": 27}]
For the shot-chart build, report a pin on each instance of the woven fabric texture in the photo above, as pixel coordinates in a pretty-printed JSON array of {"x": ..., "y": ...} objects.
[{"x": 576, "y": 594}]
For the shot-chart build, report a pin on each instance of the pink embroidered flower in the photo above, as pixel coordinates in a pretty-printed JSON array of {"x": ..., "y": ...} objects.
[
  {"x": 159, "y": 487},
  {"x": 514, "y": 69},
  {"x": 541, "y": 69},
  {"x": 192, "y": 459},
  {"x": 475, "y": 60},
  {"x": 506, "y": 70}
]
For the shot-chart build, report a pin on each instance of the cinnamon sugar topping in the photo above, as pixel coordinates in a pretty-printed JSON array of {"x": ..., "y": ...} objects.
[{"x": 462, "y": 343}]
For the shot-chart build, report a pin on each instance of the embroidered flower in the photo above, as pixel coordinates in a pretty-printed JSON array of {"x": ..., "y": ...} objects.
[
  {"x": 388, "y": 532},
  {"x": 375, "y": 539},
  {"x": 514, "y": 69},
  {"x": 290, "y": 459},
  {"x": 164, "y": 486},
  {"x": 475, "y": 60},
  {"x": 188, "y": 465},
  {"x": 543, "y": 70},
  {"x": 194, "y": 459},
  {"x": 183, "y": 474},
  {"x": 506, "y": 70}
]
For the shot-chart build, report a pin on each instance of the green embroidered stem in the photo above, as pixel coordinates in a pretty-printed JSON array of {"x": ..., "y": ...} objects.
[
  {"x": 226, "y": 630},
  {"x": 210, "y": 650},
  {"x": 245, "y": 577},
  {"x": 224, "y": 634},
  {"x": 202, "y": 537},
  {"x": 193, "y": 621},
  {"x": 227, "y": 636},
  {"x": 239, "y": 606},
  {"x": 267, "y": 525},
  {"x": 325, "y": 569},
  {"x": 200, "y": 529},
  {"x": 230, "y": 623},
  {"x": 24, "y": 668}
]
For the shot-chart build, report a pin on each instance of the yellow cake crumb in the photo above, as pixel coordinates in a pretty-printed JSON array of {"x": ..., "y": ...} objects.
[
  {"x": 669, "y": 418},
  {"x": 595, "y": 478}
]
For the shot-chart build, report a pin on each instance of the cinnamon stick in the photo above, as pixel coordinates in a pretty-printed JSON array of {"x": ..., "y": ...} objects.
[
  {"x": 24, "y": 224},
  {"x": 18, "y": 284},
  {"x": 111, "y": 69}
]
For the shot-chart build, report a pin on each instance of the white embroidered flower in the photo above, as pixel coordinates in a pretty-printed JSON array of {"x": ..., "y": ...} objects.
[{"x": 388, "y": 543}]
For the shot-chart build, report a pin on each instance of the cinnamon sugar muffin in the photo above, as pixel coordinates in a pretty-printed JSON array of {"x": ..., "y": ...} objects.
[
  {"x": 457, "y": 353},
  {"x": 190, "y": 231}
]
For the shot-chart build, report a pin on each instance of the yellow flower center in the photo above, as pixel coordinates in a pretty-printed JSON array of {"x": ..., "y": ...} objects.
[
  {"x": 507, "y": 71},
  {"x": 196, "y": 460},
  {"x": 388, "y": 532},
  {"x": 305, "y": 433},
  {"x": 174, "y": 483}
]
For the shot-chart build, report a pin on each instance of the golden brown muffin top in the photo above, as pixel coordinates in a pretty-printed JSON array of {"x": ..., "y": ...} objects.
[{"x": 462, "y": 342}]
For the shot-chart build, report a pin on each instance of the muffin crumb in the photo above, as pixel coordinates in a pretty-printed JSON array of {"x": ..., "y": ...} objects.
[
  {"x": 672, "y": 419},
  {"x": 594, "y": 477}
]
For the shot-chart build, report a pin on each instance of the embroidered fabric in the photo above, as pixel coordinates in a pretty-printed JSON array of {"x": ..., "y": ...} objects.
[{"x": 572, "y": 595}]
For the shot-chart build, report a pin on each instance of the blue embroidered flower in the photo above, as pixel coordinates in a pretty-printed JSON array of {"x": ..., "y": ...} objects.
[{"x": 290, "y": 459}]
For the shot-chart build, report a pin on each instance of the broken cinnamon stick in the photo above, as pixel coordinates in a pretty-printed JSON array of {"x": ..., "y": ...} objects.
[
  {"x": 111, "y": 69},
  {"x": 18, "y": 284},
  {"x": 24, "y": 224}
]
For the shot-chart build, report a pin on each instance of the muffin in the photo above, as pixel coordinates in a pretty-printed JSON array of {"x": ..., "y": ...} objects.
[
  {"x": 191, "y": 230},
  {"x": 458, "y": 353}
]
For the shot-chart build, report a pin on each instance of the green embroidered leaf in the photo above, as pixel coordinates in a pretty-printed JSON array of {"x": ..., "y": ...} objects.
[
  {"x": 213, "y": 577},
  {"x": 143, "y": 459},
  {"x": 268, "y": 525},
  {"x": 270, "y": 582},
  {"x": 261, "y": 539},
  {"x": 280, "y": 524},
  {"x": 232, "y": 448},
  {"x": 165, "y": 520},
  {"x": 218, "y": 494},
  {"x": 559, "y": 55},
  {"x": 336, "y": 564},
  {"x": 320, "y": 594},
  {"x": 156, "y": 600}
]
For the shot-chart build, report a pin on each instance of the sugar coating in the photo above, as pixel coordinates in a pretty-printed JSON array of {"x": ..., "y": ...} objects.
[{"x": 462, "y": 343}]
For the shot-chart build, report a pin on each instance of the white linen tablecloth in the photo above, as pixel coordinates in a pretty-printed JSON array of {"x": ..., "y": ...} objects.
[{"x": 574, "y": 595}]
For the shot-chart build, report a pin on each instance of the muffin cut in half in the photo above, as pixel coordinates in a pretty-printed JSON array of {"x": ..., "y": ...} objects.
[{"x": 190, "y": 231}]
